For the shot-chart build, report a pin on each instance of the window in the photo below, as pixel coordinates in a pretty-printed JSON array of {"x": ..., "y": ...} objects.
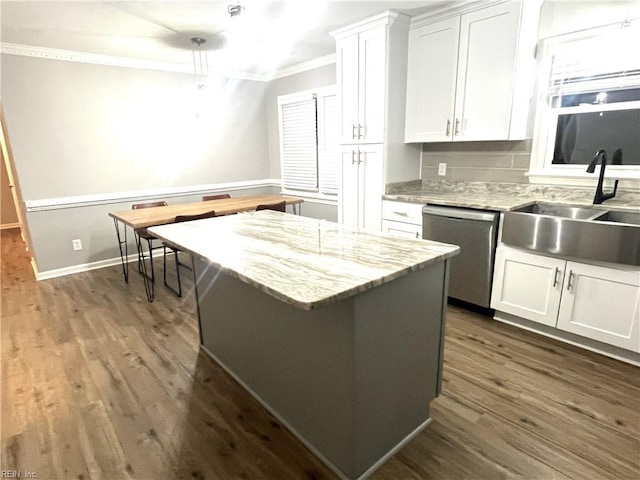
[
  {"x": 309, "y": 141},
  {"x": 589, "y": 99}
]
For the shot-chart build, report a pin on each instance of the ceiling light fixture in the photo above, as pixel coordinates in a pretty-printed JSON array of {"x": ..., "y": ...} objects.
[
  {"x": 235, "y": 10},
  {"x": 200, "y": 61}
]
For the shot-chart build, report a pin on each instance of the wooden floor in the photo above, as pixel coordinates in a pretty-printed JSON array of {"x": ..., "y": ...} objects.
[{"x": 97, "y": 383}]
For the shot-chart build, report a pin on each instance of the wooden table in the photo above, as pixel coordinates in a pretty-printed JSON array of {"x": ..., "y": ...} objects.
[{"x": 149, "y": 217}]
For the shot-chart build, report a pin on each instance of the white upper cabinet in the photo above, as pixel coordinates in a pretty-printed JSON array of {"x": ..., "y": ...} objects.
[
  {"x": 431, "y": 81},
  {"x": 361, "y": 75},
  {"x": 470, "y": 75}
]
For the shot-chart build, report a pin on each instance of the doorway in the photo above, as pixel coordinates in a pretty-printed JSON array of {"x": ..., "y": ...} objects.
[{"x": 12, "y": 182}]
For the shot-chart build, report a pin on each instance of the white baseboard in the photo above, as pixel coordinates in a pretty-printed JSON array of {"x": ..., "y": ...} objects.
[
  {"x": 7, "y": 226},
  {"x": 84, "y": 267}
]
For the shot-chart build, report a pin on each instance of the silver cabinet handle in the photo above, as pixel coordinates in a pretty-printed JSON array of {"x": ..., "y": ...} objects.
[
  {"x": 359, "y": 160},
  {"x": 417, "y": 235},
  {"x": 457, "y": 129},
  {"x": 364, "y": 131},
  {"x": 448, "y": 127},
  {"x": 353, "y": 131},
  {"x": 555, "y": 277},
  {"x": 353, "y": 157},
  {"x": 569, "y": 280},
  {"x": 402, "y": 214}
]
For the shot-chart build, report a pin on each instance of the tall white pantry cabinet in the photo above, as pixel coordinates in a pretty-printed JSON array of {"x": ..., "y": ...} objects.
[{"x": 371, "y": 67}]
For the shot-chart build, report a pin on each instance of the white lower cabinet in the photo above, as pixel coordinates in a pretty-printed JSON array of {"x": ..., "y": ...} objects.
[
  {"x": 361, "y": 186},
  {"x": 596, "y": 302},
  {"x": 527, "y": 285},
  {"x": 402, "y": 219},
  {"x": 400, "y": 229},
  {"x": 601, "y": 303}
]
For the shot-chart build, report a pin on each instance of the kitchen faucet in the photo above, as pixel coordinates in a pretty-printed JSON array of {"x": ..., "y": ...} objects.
[{"x": 600, "y": 196}]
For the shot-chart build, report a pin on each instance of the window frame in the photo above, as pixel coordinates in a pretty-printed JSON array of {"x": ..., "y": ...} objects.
[
  {"x": 541, "y": 170},
  {"x": 318, "y": 193}
]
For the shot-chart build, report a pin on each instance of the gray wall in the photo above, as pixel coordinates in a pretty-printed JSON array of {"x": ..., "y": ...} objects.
[
  {"x": 79, "y": 129},
  {"x": 509, "y": 161}
]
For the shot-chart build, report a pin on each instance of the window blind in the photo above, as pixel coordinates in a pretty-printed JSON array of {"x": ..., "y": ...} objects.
[
  {"x": 328, "y": 144},
  {"x": 299, "y": 145},
  {"x": 596, "y": 62}
]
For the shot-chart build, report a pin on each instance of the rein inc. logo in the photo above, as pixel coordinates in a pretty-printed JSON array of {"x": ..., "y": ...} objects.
[{"x": 17, "y": 474}]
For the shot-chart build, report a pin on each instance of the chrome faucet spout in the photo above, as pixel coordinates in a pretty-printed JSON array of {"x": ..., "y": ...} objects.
[{"x": 601, "y": 155}]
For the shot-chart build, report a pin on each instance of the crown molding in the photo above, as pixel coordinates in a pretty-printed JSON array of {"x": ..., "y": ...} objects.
[
  {"x": 304, "y": 66},
  {"x": 126, "y": 62},
  {"x": 92, "y": 58}
]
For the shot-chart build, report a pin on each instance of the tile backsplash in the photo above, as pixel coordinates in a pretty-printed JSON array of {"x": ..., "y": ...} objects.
[{"x": 477, "y": 161}]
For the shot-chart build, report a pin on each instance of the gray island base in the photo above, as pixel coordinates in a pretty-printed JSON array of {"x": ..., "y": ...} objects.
[{"x": 351, "y": 373}]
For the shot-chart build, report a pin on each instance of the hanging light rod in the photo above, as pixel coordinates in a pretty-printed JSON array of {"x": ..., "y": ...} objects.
[{"x": 200, "y": 61}]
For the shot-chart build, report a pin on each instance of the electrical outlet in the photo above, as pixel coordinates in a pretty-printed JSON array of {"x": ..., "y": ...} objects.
[
  {"x": 442, "y": 169},
  {"x": 77, "y": 244}
]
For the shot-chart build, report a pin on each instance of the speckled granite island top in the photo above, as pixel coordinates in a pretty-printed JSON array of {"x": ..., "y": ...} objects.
[{"x": 304, "y": 262}]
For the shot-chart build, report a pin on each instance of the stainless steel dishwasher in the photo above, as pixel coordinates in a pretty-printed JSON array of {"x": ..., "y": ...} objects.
[{"x": 476, "y": 232}]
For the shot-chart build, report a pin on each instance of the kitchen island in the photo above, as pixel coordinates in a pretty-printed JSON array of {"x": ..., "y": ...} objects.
[{"x": 338, "y": 332}]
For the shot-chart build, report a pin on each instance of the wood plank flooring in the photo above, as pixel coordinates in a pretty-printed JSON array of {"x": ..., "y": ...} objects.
[{"x": 97, "y": 383}]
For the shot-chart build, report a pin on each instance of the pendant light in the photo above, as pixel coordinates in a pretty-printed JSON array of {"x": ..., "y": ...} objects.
[{"x": 200, "y": 61}]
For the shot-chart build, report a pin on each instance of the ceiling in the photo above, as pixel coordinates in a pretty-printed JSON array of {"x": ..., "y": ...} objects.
[{"x": 269, "y": 35}]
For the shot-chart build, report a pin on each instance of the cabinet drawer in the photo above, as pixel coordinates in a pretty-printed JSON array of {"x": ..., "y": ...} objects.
[
  {"x": 399, "y": 229},
  {"x": 402, "y": 212}
]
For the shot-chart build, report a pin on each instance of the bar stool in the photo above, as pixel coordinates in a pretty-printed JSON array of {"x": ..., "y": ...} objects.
[
  {"x": 175, "y": 250},
  {"x": 278, "y": 207},
  {"x": 143, "y": 234},
  {"x": 219, "y": 196}
]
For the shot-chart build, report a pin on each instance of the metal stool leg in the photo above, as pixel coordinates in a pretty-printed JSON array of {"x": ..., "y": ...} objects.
[
  {"x": 177, "y": 291},
  {"x": 146, "y": 278}
]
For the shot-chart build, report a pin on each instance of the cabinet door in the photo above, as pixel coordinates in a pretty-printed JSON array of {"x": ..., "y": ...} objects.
[
  {"x": 347, "y": 74},
  {"x": 486, "y": 72},
  {"x": 527, "y": 285},
  {"x": 431, "y": 81},
  {"x": 399, "y": 229},
  {"x": 370, "y": 186},
  {"x": 349, "y": 193},
  {"x": 371, "y": 91},
  {"x": 602, "y": 304}
]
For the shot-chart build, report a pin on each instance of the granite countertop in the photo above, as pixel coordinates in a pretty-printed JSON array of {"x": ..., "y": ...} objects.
[
  {"x": 504, "y": 196},
  {"x": 302, "y": 261}
]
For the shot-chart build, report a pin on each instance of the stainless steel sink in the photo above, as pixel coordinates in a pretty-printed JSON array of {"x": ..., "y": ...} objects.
[
  {"x": 560, "y": 211},
  {"x": 582, "y": 233},
  {"x": 630, "y": 218}
]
